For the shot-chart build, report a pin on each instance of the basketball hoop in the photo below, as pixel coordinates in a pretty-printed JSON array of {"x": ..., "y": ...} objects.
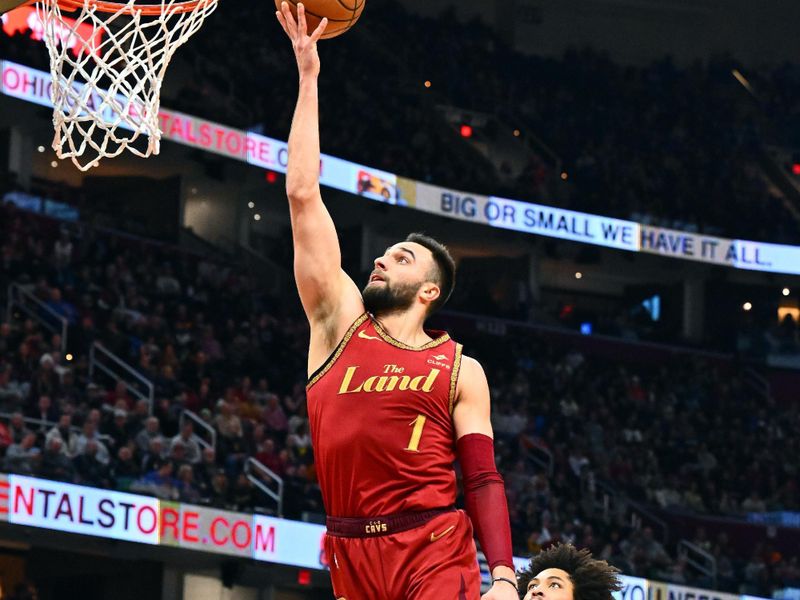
[{"x": 107, "y": 86}]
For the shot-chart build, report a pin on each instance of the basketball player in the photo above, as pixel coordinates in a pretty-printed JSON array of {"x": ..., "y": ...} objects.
[
  {"x": 563, "y": 572},
  {"x": 391, "y": 405}
]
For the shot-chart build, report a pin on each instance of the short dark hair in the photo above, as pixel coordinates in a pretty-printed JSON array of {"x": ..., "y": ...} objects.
[
  {"x": 592, "y": 579},
  {"x": 445, "y": 274}
]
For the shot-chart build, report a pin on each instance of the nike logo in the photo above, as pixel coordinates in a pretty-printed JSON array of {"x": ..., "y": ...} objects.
[
  {"x": 364, "y": 336},
  {"x": 435, "y": 537}
]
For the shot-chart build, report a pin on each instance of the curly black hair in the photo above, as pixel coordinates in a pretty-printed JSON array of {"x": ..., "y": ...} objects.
[{"x": 592, "y": 579}]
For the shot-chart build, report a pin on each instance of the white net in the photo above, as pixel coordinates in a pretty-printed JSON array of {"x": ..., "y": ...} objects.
[{"x": 107, "y": 70}]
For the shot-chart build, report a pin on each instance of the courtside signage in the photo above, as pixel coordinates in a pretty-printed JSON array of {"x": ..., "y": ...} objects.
[
  {"x": 34, "y": 86},
  {"x": 636, "y": 588},
  {"x": 78, "y": 509},
  {"x": 526, "y": 217},
  {"x": 135, "y": 518}
]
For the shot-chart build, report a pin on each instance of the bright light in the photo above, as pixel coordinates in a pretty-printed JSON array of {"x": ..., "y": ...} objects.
[
  {"x": 54, "y": 164},
  {"x": 251, "y": 204},
  {"x": 517, "y": 133},
  {"x": 564, "y": 175},
  {"x": 427, "y": 83},
  {"x": 578, "y": 275},
  {"x": 747, "y": 306},
  {"x": 786, "y": 291},
  {"x": 40, "y": 149},
  {"x": 466, "y": 131},
  {"x": 796, "y": 168},
  {"x": 271, "y": 177},
  {"x": 69, "y": 357},
  {"x": 257, "y": 217}
]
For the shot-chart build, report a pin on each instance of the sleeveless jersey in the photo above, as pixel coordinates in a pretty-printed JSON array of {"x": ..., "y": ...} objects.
[{"x": 381, "y": 423}]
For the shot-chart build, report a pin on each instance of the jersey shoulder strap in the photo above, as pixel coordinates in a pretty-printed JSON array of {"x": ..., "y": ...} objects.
[{"x": 337, "y": 352}]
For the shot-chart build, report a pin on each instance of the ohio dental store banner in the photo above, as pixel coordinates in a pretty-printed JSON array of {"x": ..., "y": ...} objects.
[
  {"x": 34, "y": 86},
  {"x": 135, "y": 518}
]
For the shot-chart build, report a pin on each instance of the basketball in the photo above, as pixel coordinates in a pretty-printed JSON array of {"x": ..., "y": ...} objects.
[{"x": 341, "y": 14}]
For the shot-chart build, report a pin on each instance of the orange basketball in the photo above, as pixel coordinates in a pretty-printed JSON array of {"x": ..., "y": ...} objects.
[{"x": 342, "y": 14}]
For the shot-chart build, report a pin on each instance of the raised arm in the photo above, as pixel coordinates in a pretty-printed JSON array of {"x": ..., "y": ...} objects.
[
  {"x": 330, "y": 298},
  {"x": 484, "y": 492}
]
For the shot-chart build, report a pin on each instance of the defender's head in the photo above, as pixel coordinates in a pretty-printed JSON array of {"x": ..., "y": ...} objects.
[
  {"x": 417, "y": 271},
  {"x": 563, "y": 572}
]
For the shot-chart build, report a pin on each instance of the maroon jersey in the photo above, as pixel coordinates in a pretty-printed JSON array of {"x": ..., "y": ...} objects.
[{"x": 382, "y": 425}]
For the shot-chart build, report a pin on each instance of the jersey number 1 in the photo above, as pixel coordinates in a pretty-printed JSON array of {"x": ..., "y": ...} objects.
[{"x": 416, "y": 433}]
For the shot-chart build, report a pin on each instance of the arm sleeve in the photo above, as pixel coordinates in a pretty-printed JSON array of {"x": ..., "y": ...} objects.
[{"x": 485, "y": 497}]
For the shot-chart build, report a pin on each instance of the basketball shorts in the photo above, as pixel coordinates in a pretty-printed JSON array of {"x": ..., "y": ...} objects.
[{"x": 419, "y": 556}]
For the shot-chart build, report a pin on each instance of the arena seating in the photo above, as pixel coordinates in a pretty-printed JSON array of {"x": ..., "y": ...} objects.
[
  {"x": 644, "y": 142},
  {"x": 687, "y": 436}
]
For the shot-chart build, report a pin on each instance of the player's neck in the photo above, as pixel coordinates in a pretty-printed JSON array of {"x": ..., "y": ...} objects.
[{"x": 405, "y": 327}]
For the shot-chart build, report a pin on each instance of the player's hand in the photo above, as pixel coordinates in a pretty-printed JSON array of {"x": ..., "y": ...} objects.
[
  {"x": 305, "y": 46},
  {"x": 501, "y": 591}
]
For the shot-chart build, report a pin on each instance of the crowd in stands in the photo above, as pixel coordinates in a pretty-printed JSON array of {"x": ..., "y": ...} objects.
[
  {"x": 686, "y": 436},
  {"x": 165, "y": 318},
  {"x": 663, "y": 144},
  {"x": 668, "y": 145}
]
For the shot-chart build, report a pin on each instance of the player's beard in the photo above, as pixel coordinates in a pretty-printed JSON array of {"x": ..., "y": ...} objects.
[{"x": 387, "y": 298}]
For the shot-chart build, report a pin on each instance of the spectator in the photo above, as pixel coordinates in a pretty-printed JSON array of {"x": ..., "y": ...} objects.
[
  {"x": 62, "y": 431},
  {"x": 190, "y": 446},
  {"x": 299, "y": 444},
  {"x": 205, "y": 471},
  {"x": 269, "y": 457},
  {"x": 90, "y": 468},
  {"x": 120, "y": 394},
  {"x": 89, "y": 435},
  {"x": 228, "y": 424},
  {"x": 62, "y": 251},
  {"x": 150, "y": 432},
  {"x": 17, "y": 429},
  {"x": 177, "y": 455},
  {"x": 220, "y": 494},
  {"x": 118, "y": 429},
  {"x": 44, "y": 411},
  {"x": 56, "y": 464},
  {"x": 274, "y": 418},
  {"x": 753, "y": 503},
  {"x": 125, "y": 470},
  {"x": 188, "y": 491},
  {"x": 159, "y": 483},
  {"x": 242, "y": 493},
  {"x": 154, "y": 457},
  {"x": 23, "y": 457},
  {"x": 11, "y": 391}
]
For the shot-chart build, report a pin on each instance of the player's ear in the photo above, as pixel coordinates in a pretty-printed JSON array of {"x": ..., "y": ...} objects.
[{"x": 430, "y": 292}]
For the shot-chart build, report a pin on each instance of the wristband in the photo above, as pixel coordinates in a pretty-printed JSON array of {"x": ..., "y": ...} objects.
[{"x": 495, "y": 579}]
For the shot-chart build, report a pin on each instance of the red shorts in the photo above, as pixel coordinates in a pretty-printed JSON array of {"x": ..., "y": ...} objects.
[{"x": 433, "y": 561}]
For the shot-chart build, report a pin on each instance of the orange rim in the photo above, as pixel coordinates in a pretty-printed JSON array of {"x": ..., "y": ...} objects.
[{"x": 145, "y": 9}]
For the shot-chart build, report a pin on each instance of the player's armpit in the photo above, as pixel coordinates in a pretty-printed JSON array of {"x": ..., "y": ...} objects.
[
  {"x": 330, "y": 298},
  {"x": 472, "y": 404}
]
